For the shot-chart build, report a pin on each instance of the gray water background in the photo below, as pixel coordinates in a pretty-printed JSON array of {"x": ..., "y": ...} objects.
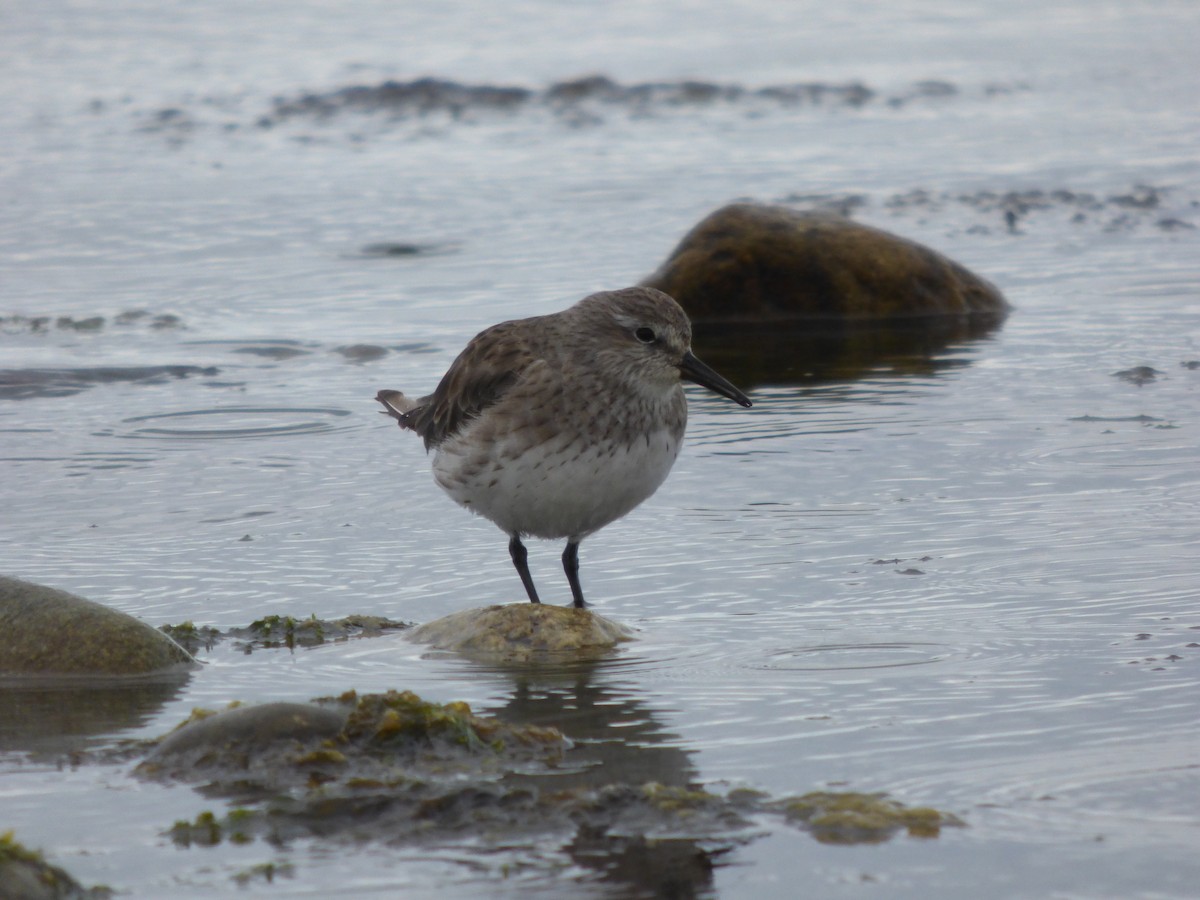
[{"x": 969, "y": 581}]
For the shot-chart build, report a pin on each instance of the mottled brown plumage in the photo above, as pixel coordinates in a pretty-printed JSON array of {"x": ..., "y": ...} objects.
[{"x": 556, "y": 425}]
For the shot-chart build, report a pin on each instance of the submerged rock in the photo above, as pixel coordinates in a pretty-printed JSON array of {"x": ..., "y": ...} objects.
[
  {"x": 436, "y": 96},
  {"x": 407, "y": 809},
  {"x": 1138, "y": 375},
  {"x": 44, "y": 631},
  {"x": 275, "y": 630},
  {"x": 402, "y": 771},
  {"x": 241, "y": 739},
  {"x": 523, "y": 632},
  {"x": 849, "y": 817},
  {"x": 758, "y": 263},
  {"x": 351, "y": 740},
  {"x": 362, "y": 353},
  {"x": 24, "y": 384}
]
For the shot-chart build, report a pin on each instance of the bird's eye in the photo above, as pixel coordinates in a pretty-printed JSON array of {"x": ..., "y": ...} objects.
[{"x": 645, "y": 335}]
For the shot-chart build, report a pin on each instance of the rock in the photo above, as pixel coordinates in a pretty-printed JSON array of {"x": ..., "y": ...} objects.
[
  {"x": 750, "y": 262},
  {"x": 44, "y": 631},
  {"x": 522, "y": 632},
  {"x": 1138, "y": 375},
  {"x": 237, "y": 740},
  {"x": 398, "y": 769},
  {"x": 25, "y": 875},
  {"x": 849, "y": 817},
  {"x": 351, "y": 740}
]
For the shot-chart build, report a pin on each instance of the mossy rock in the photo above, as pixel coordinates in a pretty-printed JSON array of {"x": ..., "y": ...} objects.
[
  {"x": 25, "y": 875},
  {"x": 402, "y": 769},
  {"x": 755, "y": 263},
  {"x": 368, "y": 738},
  {"x": 238, "y": 738},
  {"x": 44, "y": 631},
  {"x": 850, "y": 817},
  {"x": 521, "y": 632}
]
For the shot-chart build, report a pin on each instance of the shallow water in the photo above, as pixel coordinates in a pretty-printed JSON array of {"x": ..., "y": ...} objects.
[{"x": 965, "y": 576}]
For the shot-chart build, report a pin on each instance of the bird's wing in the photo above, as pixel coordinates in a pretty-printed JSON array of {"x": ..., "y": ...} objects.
[{"x": 489, "y": 365}]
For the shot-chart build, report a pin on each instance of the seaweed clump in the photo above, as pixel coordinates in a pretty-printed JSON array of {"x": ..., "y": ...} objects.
[
  {"x": 275, "y": 631},
  {"x": 401, "y": 718},
  {"x": 397, "y": 769},
  {"x": 849, "y": 817}
]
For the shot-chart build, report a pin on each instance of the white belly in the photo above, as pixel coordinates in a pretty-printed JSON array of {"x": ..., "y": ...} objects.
[{"x": 556, "y": 489}]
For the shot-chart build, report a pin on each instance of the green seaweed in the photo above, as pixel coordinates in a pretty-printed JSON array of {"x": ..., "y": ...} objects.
[
  {"x": 13, "y": 851},
  {"x": 275, "y": 630},
  {"x": 394, "y": 763},
  {"x": 205, "y": 831},
  {"x": 679, "y": 800},
  {"x": 20, "y": 865},
  {"x": 208, "y": 831},
  {"x": 403, "y": 716},
  {"x": 267, "y": 872},
  {"x": 849, "y": 817},
  {"x": 192, "y": 637}
]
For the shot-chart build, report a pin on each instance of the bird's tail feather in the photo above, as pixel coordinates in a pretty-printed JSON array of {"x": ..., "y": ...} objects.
[{"x": 396, "y": 405}]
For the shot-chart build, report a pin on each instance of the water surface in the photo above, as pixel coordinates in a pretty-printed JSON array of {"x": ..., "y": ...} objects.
[{"x": 964, "y": 575}]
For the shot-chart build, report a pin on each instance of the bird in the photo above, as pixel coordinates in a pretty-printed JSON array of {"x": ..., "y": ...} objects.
[{"x": 556, "y": 425}]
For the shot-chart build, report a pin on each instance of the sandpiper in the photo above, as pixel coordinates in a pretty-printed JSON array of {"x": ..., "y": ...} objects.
[{"x": 556, "y": 425}]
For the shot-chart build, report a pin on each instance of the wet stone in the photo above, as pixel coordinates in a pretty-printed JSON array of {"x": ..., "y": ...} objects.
[
  {"x": 241, "y": 740},
  {"x": 355, "y": 741},
  {"x": 523, "y": 632},
  {"x": 759, "y": 263},
  {"x": 25, "y": 875},
  {"x": 44, "y": 631},
  {"x": 1138, "y": 375},
  {"x": 362, "y": 353},
  {"x": 848, "y": 817},
  {"x": 395, "y": 769}
]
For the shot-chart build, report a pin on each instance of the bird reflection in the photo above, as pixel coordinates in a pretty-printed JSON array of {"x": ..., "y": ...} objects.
[{"x": 618, "y": 741}]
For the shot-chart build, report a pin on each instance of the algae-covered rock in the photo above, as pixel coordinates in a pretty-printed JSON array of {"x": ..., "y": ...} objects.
[
  {"x": 240, "y": 739},
  {"x": 752, "y": 262},
  {"x": 25, "y": 875},
  {"x": 523, "y": 632},
  {"x": 44, "y": 631},
  {"x": 397, "y": 769},
  {"x": 849, "y": 817},
  {"x": 367, "y": 739}
]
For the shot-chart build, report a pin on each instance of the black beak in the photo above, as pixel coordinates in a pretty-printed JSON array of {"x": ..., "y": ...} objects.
[{"x": 694, "y": 370}]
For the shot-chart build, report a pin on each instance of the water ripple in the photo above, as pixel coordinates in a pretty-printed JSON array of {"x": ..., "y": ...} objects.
[{"x": 237, "y": 422}]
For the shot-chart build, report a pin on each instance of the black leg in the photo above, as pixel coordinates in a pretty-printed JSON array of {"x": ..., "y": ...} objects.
[
  {"x": 571, "y": 566},
  {"x": 519, "y": 556}
]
